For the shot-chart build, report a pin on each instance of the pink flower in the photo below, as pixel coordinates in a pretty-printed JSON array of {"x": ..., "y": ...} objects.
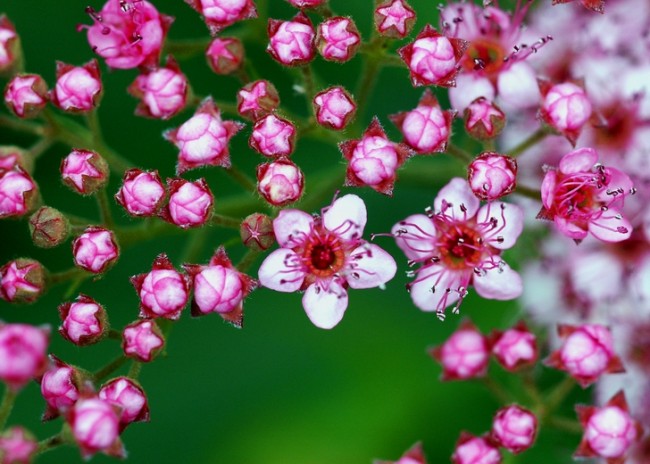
[
  {"x": 26, "y": 95},
  {"x": 337, "y": 39},
  {"x": 515, "y": 347},
  {"x": 514, "y": 428},
  {"x": 334, "y": 108},
  {"x": 257, "y": 99},
  {"x": 17, "y": 446},
  {"x": 414, "y": 455},
  {"x": 142, "y": 340},
  {"x": 78, "y": 88},
  {"x": 492, "y": 175},
  {"x": 484, "y": 120},
  {"x": 587, "y": 352},
  {"x": 23, "y": 350},
  {"x": 566, "y": 108},
  {"x": 9, "y": 45},
  {"x": 257, "y": 232},
  {"x": 394, "y": 18},
  {"x": 84, "y": 171},
  {"x": 48, "y": 227},
  {"x": 273, "y": 136},
  {"x": 426, "y": 128},
  {"x": 162, "y": 91},
  {"x": 95, "y": 250},
  {"x": 324, "y": 255},
  {"x": 475, "y": 450},
  {"x": 190, "y": 203},
  {"x": 225, "y": 55},
  {"x": 464, "y": 355},
  {"x": 141, "y": 193},
  {"x": 163, "y": 291},
  {"x": 292, "y": 42},
  {"x": 203, "y": 139},
  {"x": 128, "y": 34},
  {"x": 280, "y": 182},
  {"x": 95, "y": 427},
  {"x": 458, "y": 244},
  {"x": 129, "y": 397},
  {"x": 11, "y": 157},
  {"x": 84, "y": 322},
  {"x": 60, "y": 387},
  {"x": 18, "y": 193},
  {"x": 306, "y": 3},
  {"x": 22, "y": 281},
  {"x": 219, "y": 14},
  {"x": 594, "y": 5},
  {"x": 583, "y": 197}
]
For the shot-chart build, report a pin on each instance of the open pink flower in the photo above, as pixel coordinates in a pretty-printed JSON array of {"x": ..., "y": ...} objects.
[
  {"x": 459, "y": 244},
  {"x": 219, "y": 14},
  {"x": 324, "y": 255}
]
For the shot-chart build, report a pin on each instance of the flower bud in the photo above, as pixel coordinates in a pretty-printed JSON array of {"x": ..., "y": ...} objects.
[
  {"x": 23, "y": 350},
  {"x": 334, "y": 108},
  {"x": 280, "y": 182},
  {"x": 129, "y": 397},
  {"x": 142, "y": 340},
  {"x": 61, "y": 385},
  {"x": 141, "y": 193},
  {"x": 84, "y": 322},
  {"x": 22, "y": 280},
  {"x": 291, "y": 43},
  {"x": 18, "y": 193},
  {"x": 484, "y": 120},
  {"x": 566, "y": 108},
  {"x": 514, "y": 428},
  {"x": 394, "y": 18},
  {"x": 257, "y": 99},
  {"x": 17, "y": 446},
  {"x": 11, "y": 156},
  {"x": 219, "y": 14},
  {"x": 273, "y": 136},
  {"x": 225, "y": 55},
  {"x": 190, "y": 203},
  {"x": 473, "y": 450},
  {"x": 306, "y": 3},
  {"x": 10, "y": 50},
  {"x": 26, "y": 95},
  {"x": 48, "y": 227},
  {"x": 257, "y": 232},
  {"x": 95, "y": 427},
  {"x": 515, "y": 347},
  {"x": 464, "y": 355},
  {"x": 337, "y": 39},
  {"x": 414, "y": 455},
  {"x": 162, "y": 91},
  {"x": 84, "y": 171},
  {"x": 492, "y": 175},
  {"x": 95, "y": 250},
  {"x": 78, "y": 88}
]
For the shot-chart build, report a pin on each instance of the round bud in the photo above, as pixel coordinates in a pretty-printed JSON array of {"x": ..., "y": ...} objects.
[{"x": 48, "y": 227}]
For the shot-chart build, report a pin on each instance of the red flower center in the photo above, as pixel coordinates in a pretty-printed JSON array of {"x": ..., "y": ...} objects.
[
  {"x": 460, "y": 247},
  {"x": 323, "y": 255},
  {"x": 484, "y": 55}
]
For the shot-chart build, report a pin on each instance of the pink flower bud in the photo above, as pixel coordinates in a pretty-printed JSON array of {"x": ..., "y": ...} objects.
[
  {"x": 142, "y": 340},
  {"x": 26, "y": 95},
  {"x": 306, "y": 3},
  {"x": 257, "y": 232},
  {"x": 163, "y": 292},
  {"x": 280, "y": 182},
  {"x": 10, "y": 52},
  {"x": 257, "y": 99},
  {"x": 219, "y": 14},
  {"x": 84, "y": 171},
  {"x": 48, "y": 227},
  {"x": 337, "y": 39},
  {"x": 141, "y": 193},
  {"x": 190, "y": 203},
  {"x": 203, "y": 139},
  {"x": 414, "y": 455},
  {"x": 60, "y": 387},
  {"x": 292, "y": 42},
  {"x": 515, "y": 347},
  {"x": 23, "y": 351},
  {"x": 492, "y": 175},
  {"x": 273, "y": 136},
  {"x": 95, "y": 427},
  {"x": 586, "y": 353},
  {"x": 484, "y": 120},
  {"x": 95, "y": 250},
  {"x": 225, "y": 54},
  {"x": 17, "y": 446},
  {"x": 394, "y": 18},
  {"x": 11, "y": 156},
  {"x": 78, "y": 88},
  {"x": 334, "y": 108},
  {"x": 514, "y": 428},
  {"x": 22, "y": 280},
  {"x": 426, "y": 128},
  {"x": 129, "y": 397},
  {"x": 433, "y": 59},
  {"x": 18, "y": 193},
  {"x": 373, "y": 160},
  {"x": 566, "y": 108},
  {"x": 475, "y": 450},
  {"x": 162, "y": 91},
  {"x": 464, "y": 355},
  {"x": 128, "y": 34},
  {"x": 84, "y": 322}
]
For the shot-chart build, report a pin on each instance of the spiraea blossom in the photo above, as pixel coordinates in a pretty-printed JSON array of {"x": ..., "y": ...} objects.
[
  {"x": 280, "y": 182},
  {"x": 84, "y": 171},
  {"x": 9, "y": 45},
  {"x": 95, "y": 427},
  {"x": 413, "y": 455},
  {"x": 142, "y": 340},
  {"x": 324, "y": 256},
  {"x": 26, "y": 95},
  {"x": 334, "y": 108},
  {"x": 473, "y": 450},
  {"x": 492, "y": 175},
  {"x": 291, "y": 43},
  {"x": 78, "y": 88},
  {"x": 23, "y": 349},
  {"x": 22, "y": 280},
  {"x": 257, "y": 99},
  {"x": 17, "y": 446},
  {"x": 61, "y": 385},
  {"x": 129, "y": 397},
  {"x": 225, "y": 54},
  {"x": 565, "y": 107},
  {"x": 219, "y": 14},
  {"x": 484, "y": 120},
  {"x": 95, "y": 250},
  {"x": 273, "y": 136},
  {"x": 337, "y": 39},
  {"x": 48, "y": 227},
  {"x": 394, "y": 18},
  {"x": 458, "y": 244},
  {"x": 83, "y": 322},
  {"x": 141, "y": 193},
  {"x": 19, "y": 193},
  {"x": 514, "y": 428},
  {"x": 162, "y": 91},
  {"x": 464, "y": 355},
  {"x": 190, "y": 203}
]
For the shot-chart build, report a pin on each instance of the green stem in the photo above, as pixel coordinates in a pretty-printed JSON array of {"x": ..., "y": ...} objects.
[
  {"x": 225, "y": 221},
  {"x": 565, "y": 425},
  {"x": 40, "y": 147},
  {"x": 308, "y": 81},
  {"x": 369, "y": 73},
  {"x": 134, "y": 370},
  {"x": 459, "y": 153},
  {"x": 247, "y": 260},
  {"x": 184, "y": 49},
  {"x": 558, "y": 395},
  {"x": 7, "y": 405},
  {"x": 109, "y": 368},
  {"x": 497, "y": 390},
  {"x": 18, "y": 125},
  {"x": 115, "y": 335},
  {"x": 528, "y": 192},
  {"x": 242, "y": 179},
  {"x": 194, "y": 246},
  {"x": 104, "y": 208},
  {"x": 529, "y": 142},
  {"x": 64, "y": 276},
  {"x": 532, "y": 390},
  {"x": 50, "y": 443}
]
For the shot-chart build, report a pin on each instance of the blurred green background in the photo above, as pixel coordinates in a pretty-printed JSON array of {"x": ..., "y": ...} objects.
[{"x": 280, "y": 390}]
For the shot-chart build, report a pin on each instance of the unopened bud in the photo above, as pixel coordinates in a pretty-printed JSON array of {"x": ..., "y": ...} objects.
[
  {"x": 22, "y": 280},
  {"x": 257, "y": 232},
  {"x": 48, "y": 227}
]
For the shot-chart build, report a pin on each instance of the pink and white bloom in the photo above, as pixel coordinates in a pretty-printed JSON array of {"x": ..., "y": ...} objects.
[
  {"x": 484, "y": 120},
  {"x": 163, "y": 291},
  {"x": 257, "y": 99},
  {"x": 582, "y": 196},
  {"x": 475, "y": 450},
  {"x": 142, "y": 340},
  {"x": 95, "y": 250},
  {"x": 225, "y": 55},
  {"x": 394, "y": 18},
  {"x": 280, "y": 182},
  {"x": 19, "y": 193},
  {"x": 458, "y": 244},
  {"x": 565, "y": 107},
  {"x": 141, "y": 193},
  {"x": 162, "y": 91},
  {"x": 426, "y": 128},
  {"x": 334, "y": 108},
  {"x": 26, "y": 95},
  {"x": 23, "y": 350},
  {"x": 414, "y": 455},
  {"x": 373, "y": 160},
  {"x": 492, "y": 175},
  {"x": 95, "y": 426},
  {"x": 78, "y": 89},
  {"x": 464, "y": 355},
  {"x": 84, "y": 321},
  {"x": 129, "y": 397},
  {"x": 219, "y": 14},
  {"x": 515, "y": 347},
  {"x": 128, "y": 34},
  {"x": 514, "y": 428},
  {"x": 337, "y": 39},
  {"x": 9, "y": 45},
  {"x": 84, "y": 171},
  {"x": 12, "y": 156},
  {"x": 256, "y": 232},
  {"x": 190, "y": 203},
  {"x": 48, "y": 227},
  {"x": 291, "y": 43},
  {"x": 61, "y": 385},
  {"x": 324, "y": 255},
  {"x": 203, "y": 139},
  {"x": 273, "y": 136},
  {"x": 306, "y": 3},
  {"x": 17, "y": 446},
  {"x": 22, "y": 280}
]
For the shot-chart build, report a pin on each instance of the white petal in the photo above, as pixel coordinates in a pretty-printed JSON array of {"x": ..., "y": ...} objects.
[
  {"x": 325, "y": 307},
  {"x": 597, "y": 275},
  {"x": 458, "y": 194},
  {"x": 469, "y": 86},
  {"x": 346, "y": 217},
  {"x": 370, "y": 266},
  {"x": 499, "y": 284},
  {"x": 291, "y": 226},
  {"x": 509, "y": 223},
  {"x": 430, "y": 294},
  {"x": 518, "y": 87},
  {"x": 416, "y": 236},
  {"x": 611, "y": 227},
  {"x": 275, "y": 273}
]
